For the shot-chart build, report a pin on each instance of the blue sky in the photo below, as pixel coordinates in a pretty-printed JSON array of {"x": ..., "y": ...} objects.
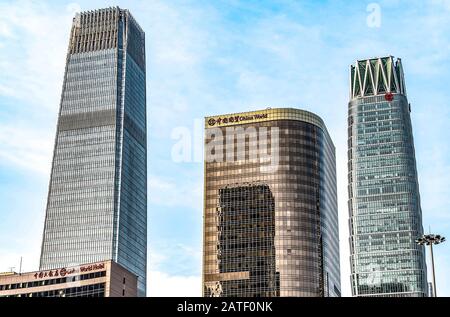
[{"x": 212, "y": 57}]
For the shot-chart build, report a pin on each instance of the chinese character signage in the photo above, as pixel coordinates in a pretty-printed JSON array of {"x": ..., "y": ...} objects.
[
  {"x": 235, "y": 119},
  {"x": 69, "y": 271}
]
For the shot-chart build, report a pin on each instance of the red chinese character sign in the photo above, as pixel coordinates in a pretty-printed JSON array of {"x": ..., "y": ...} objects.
[{"x": 64, "y": 271}]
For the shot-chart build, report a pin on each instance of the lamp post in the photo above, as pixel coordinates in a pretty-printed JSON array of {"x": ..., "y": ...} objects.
[{"x": 430, "y": 239}]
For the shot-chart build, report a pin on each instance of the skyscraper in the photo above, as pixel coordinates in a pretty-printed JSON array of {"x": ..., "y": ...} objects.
[
  {"x": 270, "y": 209},
  {"x": 97, "y": 198},
  {"x": 384, "y": 201}
]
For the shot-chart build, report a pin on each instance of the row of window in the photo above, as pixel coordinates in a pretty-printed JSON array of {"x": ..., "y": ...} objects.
[{"x": 54, "y": 281}]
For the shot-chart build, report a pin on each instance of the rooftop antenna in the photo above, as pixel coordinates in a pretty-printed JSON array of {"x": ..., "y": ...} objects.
[
  {"x": 11, "y": 268},
  {"x": 20, "y": 267}
]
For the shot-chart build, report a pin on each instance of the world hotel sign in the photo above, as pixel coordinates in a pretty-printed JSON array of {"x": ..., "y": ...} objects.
[{"x": 69, "y": 271}]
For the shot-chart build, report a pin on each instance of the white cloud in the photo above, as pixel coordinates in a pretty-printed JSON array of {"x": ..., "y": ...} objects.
[
  {"x": 167, "y": 274},
  {"x": 5, "y": 30},
  {"x": 26, "y": 148},
  {"x": 21, "y": 225},
  {"x": 176, "y": 41},
  {"x": 179, "y": 258},
  {"x": 36, "y": 40},
  {"x": 32, "y": 66},
  {"x": 167, "y": 192},
  {"x": 73, "y": 8},
  {"x": 161, "y": 284},
  {"x": 10, "y": 261},
  {"x": 441, "y": 4},
  {"x": 6, "y": 90},
  {"x": 442, "y": 258}
]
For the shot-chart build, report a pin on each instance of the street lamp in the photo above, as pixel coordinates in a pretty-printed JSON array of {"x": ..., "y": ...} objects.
[{"x": 430, "y": 239}]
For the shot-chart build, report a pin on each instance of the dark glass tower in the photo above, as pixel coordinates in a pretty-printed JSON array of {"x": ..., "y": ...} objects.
[
  {"x": 384, "y": 201},
  {"x": 246, "y": 216},
  {"x": 97, "y": 199},
  {"x": 270, "y": 231}
]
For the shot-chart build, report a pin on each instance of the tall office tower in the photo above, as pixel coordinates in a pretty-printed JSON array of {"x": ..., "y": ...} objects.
[
  {"x": 97, "y": 199},
  {"x": 384, "y": 202},
  {"x": 270, "y": 209}
]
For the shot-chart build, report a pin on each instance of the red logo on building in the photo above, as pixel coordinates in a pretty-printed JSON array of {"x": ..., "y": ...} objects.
[{"x": 389, "y": 96}]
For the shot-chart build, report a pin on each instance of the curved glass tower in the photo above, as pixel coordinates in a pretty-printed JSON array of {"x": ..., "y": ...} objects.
[
  {"x": 384, "y": 201},
  {"x": 270, "y": 210},
  {"x": 97, "y": 198}
]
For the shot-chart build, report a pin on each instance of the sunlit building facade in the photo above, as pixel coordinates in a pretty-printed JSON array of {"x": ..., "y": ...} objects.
[
  {"x": 384, "y": 201},
  {"x": 97, "y": 198},
  {"x": 101, "y": 279},
  {"x": 270, "y": 209}
]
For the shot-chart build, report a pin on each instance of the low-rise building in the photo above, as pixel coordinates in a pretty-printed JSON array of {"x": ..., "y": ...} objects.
[{"x": 100, "y": 279}]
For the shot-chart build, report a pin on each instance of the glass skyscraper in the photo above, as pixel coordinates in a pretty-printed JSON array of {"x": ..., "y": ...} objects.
[
  {"x": 384, "y": 201},
  {"x": 270, "y": 209},
  {"x": 97, "y": 198}
]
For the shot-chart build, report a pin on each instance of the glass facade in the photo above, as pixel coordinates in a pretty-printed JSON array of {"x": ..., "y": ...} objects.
[
  {"x": 246, "y": 236},
  {"x": 270, "y": 232},
  {"x": 97, "y": 200},
  {"x": 384, "y": 201}
]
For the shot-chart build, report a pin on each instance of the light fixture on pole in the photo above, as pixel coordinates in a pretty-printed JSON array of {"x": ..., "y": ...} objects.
[{"x": 430, "y": 239}]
